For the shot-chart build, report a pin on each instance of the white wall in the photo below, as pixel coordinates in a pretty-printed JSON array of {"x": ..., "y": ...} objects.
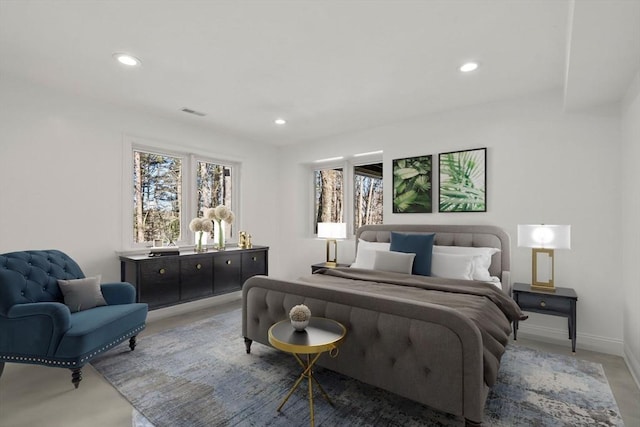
[
  {"x": 544, "y": 166},
  {"x": 61, "y": 173},
  {"x": 630, "y": 179}
]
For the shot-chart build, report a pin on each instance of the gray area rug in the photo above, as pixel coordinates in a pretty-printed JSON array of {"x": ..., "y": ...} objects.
[{"x": 200, "y": 375}]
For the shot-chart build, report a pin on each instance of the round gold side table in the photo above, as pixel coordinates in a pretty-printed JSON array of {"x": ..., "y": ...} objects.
[{"x": 322, "y": 335}]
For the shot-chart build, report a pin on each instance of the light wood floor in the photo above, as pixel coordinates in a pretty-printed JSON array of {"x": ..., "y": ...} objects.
[{"x": 36, "y": 396}]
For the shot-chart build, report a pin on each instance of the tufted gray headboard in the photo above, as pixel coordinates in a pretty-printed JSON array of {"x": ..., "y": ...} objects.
[{"x": 454, "y": 235}]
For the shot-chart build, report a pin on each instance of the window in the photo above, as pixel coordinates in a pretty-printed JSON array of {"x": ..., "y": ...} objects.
[
  {"x": 213, "y": 183},
  {"x": 157, "y": 197},
  {"x": 362, "y": 183},
  {"x": 328, "y": 197},
  {"x": 170, "y": 188},
  {"x": 367, "y": 192}
]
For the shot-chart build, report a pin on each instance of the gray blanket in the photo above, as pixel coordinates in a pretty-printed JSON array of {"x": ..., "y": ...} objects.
[{"x": 484, "y": 304}]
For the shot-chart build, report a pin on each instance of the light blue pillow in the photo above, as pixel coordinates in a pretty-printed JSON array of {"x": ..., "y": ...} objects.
[{"x": 419, "y": 244}]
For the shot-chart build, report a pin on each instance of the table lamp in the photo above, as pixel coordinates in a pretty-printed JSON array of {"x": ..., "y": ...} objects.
[
  {"x": 331, "y": 231},
  {"x": 543, "y": 239}
]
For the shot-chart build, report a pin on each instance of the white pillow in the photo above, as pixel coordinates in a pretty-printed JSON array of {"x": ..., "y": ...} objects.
[
  {"x": 453, "y": 266},
  {"x": 495, "y": 281},
  {"x": 366, "y": 254},
  {"x": 396, "y": 262},
  {"x": 481, "y": 264}
]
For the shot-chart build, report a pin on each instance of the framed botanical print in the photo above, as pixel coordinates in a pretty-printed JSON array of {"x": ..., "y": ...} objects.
[
  {"x": 412, "y": 185},
  {"x": 463, "y": 181}
]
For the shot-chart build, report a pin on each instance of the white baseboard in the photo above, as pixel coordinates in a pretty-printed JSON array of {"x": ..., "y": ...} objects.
[
  {"x": 188, "y": 307},
  {"x": 583, "y": 341},
  {"x": 633, "y": 364}
]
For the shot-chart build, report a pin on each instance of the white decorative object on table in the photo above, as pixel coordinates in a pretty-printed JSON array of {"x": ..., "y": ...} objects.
[
  {"x": 200, "y": 226},
  {"x": 299, "y": 316},
  {"x": 218, "y": 215}
]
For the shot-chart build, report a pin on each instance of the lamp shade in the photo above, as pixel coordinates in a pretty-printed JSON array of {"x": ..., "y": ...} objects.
[
  {"x": 332, "y": 230},
  {"x": 544, "y": 236}
]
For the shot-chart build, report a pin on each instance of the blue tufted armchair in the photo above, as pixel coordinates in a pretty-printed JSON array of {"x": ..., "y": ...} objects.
[{"x": 37, "y": 327}]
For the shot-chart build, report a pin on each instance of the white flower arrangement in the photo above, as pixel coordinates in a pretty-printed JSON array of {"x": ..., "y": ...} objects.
[
  {"x": 207, "y": 226},
  {"x": 200, "y": 224},
  {"x": 300, "y": 313},
  {"x": 218, "y": 214}
]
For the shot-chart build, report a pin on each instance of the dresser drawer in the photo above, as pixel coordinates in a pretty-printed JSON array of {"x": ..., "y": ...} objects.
[
  {"x": 227, "y": 272},
  {"x": 159, "y": 282},
  {"x": 253, "y": 263},
  {"x": 544, "y": 302},
  {"x": 196, "y": 277}
]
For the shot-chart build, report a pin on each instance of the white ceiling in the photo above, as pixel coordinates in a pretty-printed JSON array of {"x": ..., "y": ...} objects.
[{"x": 327, "y": 66}]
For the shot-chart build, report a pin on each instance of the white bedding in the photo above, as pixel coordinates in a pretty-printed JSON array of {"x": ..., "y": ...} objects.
[
  {"x": 452, "y": 262},
  {"x": 496, "y": 282}
]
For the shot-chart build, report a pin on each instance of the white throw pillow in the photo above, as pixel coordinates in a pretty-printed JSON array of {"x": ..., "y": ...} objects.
[
  {"x": 453, "y": 266},
  {"x": 396, "y": 262},
  {"x": 366, "y": 254},
  {"x": 481, "y": 264}
]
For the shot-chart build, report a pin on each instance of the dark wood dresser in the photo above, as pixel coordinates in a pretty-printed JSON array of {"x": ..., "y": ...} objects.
[{"x": 167, "y": 280}]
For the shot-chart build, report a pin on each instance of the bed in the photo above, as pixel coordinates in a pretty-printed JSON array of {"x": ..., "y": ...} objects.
[{"x": 437, "y": 341}]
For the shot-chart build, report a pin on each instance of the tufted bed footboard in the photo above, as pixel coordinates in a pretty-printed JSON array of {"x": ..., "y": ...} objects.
[
  {"x": 436, "y": 342},
  {"x": 425, "y": 352}
]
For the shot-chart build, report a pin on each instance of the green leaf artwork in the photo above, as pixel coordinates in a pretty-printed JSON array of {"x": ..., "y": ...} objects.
[
  {"x": 412, "y": 185},
  {"x": 463, "y": 181}
]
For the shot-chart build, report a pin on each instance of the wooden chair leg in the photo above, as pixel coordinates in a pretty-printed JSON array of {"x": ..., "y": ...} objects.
[
  {"x": 76, "y": 376},
  {"x": 132, "y": 342}
]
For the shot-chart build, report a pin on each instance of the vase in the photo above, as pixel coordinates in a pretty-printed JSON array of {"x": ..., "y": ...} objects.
[
  {"x": 218, "y": 233},
  {"x": 201, "y": 243},
  {"x": 299, "y": 325}
]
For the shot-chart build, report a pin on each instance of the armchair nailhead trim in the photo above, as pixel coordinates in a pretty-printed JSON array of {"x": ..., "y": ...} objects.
[
  {"x": 112, "y": 343},
  {"x": 54, "y": 362},
  {"x": 36, "y": 360}
]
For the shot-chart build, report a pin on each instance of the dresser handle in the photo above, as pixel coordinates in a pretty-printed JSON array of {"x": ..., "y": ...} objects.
[
  {"x": 543, "y": 304},
  {"x": 254, "y": 258},
  {"x": 228, "y": 262},
  {"x": 198, "y": 266},
  {"x": 162, "y": 271}
]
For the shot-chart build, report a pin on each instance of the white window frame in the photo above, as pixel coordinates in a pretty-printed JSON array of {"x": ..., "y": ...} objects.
[
  {"x": 235, "y": 191},
  {"x": 348, "y": 177},
  {"x": 359, "y": 161},
  {"x": 322, "y": 166},
  {"x": 189, "y": 188}
]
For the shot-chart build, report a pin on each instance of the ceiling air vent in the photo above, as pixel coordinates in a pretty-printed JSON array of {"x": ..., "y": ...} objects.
[{"x": 190, "y": 111}]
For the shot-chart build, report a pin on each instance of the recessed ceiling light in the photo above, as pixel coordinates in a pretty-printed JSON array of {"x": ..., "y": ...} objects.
[
  {"x": 126, "y": 59},
  {"x": 469, "y": 66},
  {"x": 280, "y": 121},
  {"x": 328, "y": 159},
  {"x": 370, "y": 153}
]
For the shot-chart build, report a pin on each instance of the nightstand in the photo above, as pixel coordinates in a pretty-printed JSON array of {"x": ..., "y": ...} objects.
[
  {"x": 318, "y": 266},
  {"x": 562, "y": 302}
]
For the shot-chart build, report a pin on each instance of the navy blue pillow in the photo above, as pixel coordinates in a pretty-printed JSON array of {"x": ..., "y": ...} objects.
[{"x": 419, "y": 244}]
